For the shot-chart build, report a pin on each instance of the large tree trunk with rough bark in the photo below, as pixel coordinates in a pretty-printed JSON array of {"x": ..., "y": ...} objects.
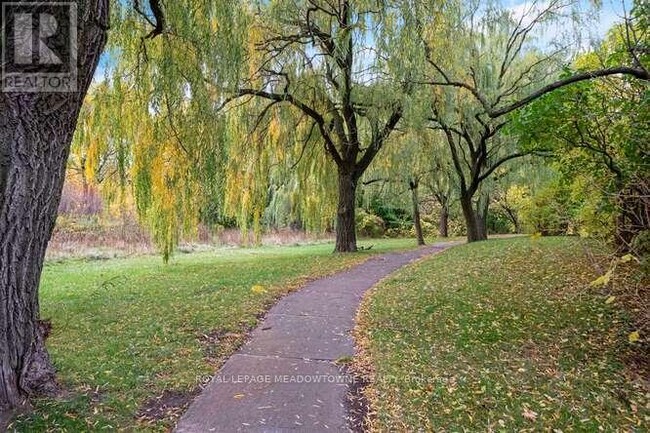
[
  {"x": 346, "y": 230},
  {"x": 482, "y": 208},
  {"x": 417, "y": 221},
  {"x": 443, "y": 221},
  {"x": 475, "y": 232},
  {"x": 481, "y": 225},
  {"x": 36, "y": 130}
]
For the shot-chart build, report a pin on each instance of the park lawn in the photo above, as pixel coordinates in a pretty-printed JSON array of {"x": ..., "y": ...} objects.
[
  {"x": 126, "y": 331},
  {"x": 500, "y": 336}
]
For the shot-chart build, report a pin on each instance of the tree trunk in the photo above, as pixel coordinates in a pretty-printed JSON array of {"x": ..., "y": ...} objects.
[
  {"x": 346, "y": 230},
  {"x": 35, "y": 134},
  {"x": 512, "y": 216},
  {"x": 417, "y": 221},
  {"x": 481, "y": 225},
  {"x": 474, "y": 232},
  {"x": 633, "y": 215},
  {"x": 482, "y": 208},
  {"x": 443, "y": 222}
]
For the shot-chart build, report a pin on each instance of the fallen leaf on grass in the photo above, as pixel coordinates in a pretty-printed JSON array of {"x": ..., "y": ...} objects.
[
  {"x": 603, "y": 280},
  {"x": 258, "y": 289},
  {"x": 529, "y": 414},
  {"x": 628, "y": 258}
]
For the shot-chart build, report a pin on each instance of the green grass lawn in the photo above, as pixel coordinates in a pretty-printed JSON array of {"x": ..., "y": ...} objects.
[
  {"x": 126, "y": 331},
  {"x": 500, "y": 336}
]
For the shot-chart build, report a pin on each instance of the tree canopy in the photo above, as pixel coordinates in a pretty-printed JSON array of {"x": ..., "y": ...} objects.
[{"x": 263, "y": 110}]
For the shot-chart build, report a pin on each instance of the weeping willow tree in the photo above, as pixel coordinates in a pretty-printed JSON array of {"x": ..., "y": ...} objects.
[
  {"x": 155, "y": 110},
  {"x": 496, "y": 55},
  {"x": 306, "y": 100},
  {"x": 171, "y": 171},
  {"x": 271, "y": 164},
  {"x": 327, "y": 64},
  {"x": 409, "y": 162},
  {"x": 478, "y": 149},
  {"x": 97, "y": 157},
  {"x": 501, "y": 65}
]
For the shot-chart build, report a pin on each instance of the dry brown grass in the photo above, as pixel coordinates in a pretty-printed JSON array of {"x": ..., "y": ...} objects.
[{"x": 89, "y": 237}]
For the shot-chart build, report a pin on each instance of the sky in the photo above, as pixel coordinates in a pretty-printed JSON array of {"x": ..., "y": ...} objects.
[{"x": 611, "y": 11}]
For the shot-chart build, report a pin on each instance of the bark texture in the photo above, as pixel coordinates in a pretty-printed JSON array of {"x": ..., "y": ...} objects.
[
  {"x": 476, "y": 227},
  {"x": 443, "y": 222},
  {"x": 482, "y": 208},
  {"x": 36, "y": 130},
  {"x": 346, "y": 230}
]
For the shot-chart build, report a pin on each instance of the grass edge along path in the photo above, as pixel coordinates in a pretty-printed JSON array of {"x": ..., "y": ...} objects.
[
  {"x": 132, "y": 338},
  {"x": 500, "y": 336},
  {"x": 305, "y": 334}
]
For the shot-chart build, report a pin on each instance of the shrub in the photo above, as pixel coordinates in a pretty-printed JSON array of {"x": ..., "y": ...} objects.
[
  {"x": 79, "y": 201},
  {"x": 499, "y": 223},
  {"x": 393, "y": 217},
  {"x": 369, "y": 225},
  {"x": 549, "y": 211}
]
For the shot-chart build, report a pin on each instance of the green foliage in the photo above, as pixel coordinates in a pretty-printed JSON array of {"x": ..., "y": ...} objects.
[
  {"x": 457, "y": 227},
  {"x": 498, "y": 223},
  {"x": 550, "y": 211},
  {"x": 429, "y": 229},
  {"x": 393, "y": 217},
  {"x": 369, "y": 225},
  {"x": 641, "y": 247},
  {"x": 595, "y": 213},
  {"x": 641, "y": 243},
  {"x": 598, "y": 131}
]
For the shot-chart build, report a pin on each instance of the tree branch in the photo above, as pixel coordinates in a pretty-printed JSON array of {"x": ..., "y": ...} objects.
[
  {"x": 309, "y": 111},
  {"x": 378, "y": 141},
  {"x": 500, "y": 162},
  {"x": 639, "y": 73}
]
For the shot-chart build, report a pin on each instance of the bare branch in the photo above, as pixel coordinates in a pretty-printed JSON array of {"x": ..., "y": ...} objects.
[{"x": 641, "y": 74}]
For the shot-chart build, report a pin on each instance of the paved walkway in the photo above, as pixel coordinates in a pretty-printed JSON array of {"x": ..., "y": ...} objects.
[{"x": 285, "y": 378}]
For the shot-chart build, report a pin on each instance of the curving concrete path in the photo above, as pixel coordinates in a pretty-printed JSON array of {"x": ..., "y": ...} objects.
[{"x": 286, "y": 379}]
